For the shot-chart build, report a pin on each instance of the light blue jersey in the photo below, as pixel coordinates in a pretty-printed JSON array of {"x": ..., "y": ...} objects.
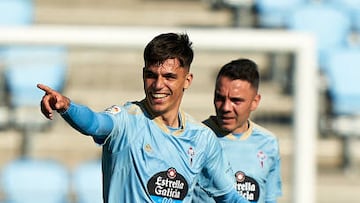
[
  {"x": 255, "y": 161},
  {"x": 146, "y": 161}
]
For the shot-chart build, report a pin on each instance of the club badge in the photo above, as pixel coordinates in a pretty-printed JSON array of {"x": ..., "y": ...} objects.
[
  {"x": 113, "y": 109},
  {"x": 191, "y": 153},
  {"x": 262, "y": 157}
]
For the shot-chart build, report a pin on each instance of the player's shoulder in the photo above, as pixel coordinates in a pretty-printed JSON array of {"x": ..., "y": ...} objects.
[
  {"x": 262, "y": 131},
  {"x": 192, "y": 122},
  {"x": 196, "y": 125},
  {"x": 130, "y": 107}
]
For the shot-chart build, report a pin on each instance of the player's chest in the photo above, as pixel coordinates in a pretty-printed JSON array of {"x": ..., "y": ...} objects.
[{"x": 250, "y": 158}]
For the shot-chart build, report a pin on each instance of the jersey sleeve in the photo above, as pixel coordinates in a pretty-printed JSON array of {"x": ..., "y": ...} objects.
[
  {"x": 216, "y": 177},
  {"x": 88, "y": 122}
]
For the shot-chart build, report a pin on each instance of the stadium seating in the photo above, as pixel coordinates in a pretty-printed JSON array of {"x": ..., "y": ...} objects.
[
  {"x": 16, "y": 12},
  {"x": 25, "y": 66},
  {"x": 241, "y": 10},
  {"x": 353, "y": 8},
  {"x": 35, "y": 181},
  {"x": 87, "y": 182},
  {"x": 330, "y": 25},
  {"x": 13, "y": 13},
  {"x": 274, "y": 14},
  {"x": 343, "y": 71}
]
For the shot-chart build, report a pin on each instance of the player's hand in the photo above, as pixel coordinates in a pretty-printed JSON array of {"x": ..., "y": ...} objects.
[{"x": 52, "y": 101}]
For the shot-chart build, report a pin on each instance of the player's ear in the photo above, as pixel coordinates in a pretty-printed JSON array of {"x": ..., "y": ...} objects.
[
  {"x": 256, "y": 101},
  {"x": 188, "y": 80}
]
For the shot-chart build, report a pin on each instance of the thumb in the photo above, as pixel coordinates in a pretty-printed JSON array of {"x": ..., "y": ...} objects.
[{"x": 62, "y": 103}]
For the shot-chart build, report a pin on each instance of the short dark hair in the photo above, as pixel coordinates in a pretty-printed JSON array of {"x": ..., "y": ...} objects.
[
  {"x": 242, "y": 69},
  {"x": 169, "y": 46}
]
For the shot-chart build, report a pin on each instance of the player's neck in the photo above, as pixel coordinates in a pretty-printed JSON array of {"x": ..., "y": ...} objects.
[{"x": 171, "y": 119}]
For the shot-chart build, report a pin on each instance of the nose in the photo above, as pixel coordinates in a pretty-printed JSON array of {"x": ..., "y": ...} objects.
[
  {"x": 226, "y": 106},
  {"x": 159, "y": 83}
]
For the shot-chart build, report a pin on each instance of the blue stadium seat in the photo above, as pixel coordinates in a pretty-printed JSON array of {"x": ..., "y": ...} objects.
[
  {"x": 274, "y": 14},
  {"x": 343, "y": 67},
  {"x": 16, "y": 12},
  {"x": 353, "y": 8},
  {"x": 12, "y": 13},
  {"x": 356, "y": 21},
  {"x": 25, "y": 66},
  {"x": 343, "y": 72},
  {"x": 330, "y": 25},
  {"x": 35, "y": 181},
  {"x": 87, "y": 182}
]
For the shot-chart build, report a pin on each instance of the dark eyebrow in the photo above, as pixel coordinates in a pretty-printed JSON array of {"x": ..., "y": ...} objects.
[
  {"x": 237, "y": 99},
  {"x": 172, "y": 75}
]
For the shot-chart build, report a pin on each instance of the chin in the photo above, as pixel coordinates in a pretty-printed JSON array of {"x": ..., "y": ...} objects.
[
  {"x": 157, "y": 109},
  {"x": 226, "y": 128}
]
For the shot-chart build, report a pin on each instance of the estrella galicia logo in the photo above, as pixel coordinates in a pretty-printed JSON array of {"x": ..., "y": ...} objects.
[
  {"x": 167, "y": 187},
  {"x": 247, "y": 186}
]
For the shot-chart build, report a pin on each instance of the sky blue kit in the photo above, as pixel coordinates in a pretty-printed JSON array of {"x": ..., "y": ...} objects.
[
  {"x": 146, "y": 161},
  {"x": 255, "y": 161}
]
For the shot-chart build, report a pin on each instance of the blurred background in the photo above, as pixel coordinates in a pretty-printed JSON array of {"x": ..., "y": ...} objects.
[{"x": 100, "y": 76}]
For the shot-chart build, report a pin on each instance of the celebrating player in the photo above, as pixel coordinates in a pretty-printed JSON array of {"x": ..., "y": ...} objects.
[{"x": 152, "y": 151}]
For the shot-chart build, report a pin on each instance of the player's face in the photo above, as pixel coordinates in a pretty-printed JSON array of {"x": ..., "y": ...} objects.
[
  {"x": 164, "y": 86},
  {"x": 234, "y": 101}
]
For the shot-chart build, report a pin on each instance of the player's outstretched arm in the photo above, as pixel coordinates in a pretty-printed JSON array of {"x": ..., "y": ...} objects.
[
  {"x": 98, "y": 125},
  {"x": 52, "y": 101}
]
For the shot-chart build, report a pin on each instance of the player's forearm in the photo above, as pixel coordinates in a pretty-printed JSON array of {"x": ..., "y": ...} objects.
[{"x": 88, "y": 122}]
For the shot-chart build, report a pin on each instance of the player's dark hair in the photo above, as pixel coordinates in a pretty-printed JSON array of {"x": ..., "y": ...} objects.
[
  {"x": 242, "y": 69},
  {"x": 169, "y": 46}
]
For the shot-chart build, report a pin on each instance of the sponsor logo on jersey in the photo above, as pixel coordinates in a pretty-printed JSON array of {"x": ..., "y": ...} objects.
[
  {"x": 247, "y": 186},
  {"x": 113, "y": 109},
  {"x": 167, "y": 187}
]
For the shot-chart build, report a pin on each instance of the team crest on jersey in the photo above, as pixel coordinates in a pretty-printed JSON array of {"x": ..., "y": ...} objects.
[
  {"x": 113, "y": 110},
  {"x": 247, "y": 186},
  {"x": 191, "y": 154},
  {"x": 262, "y": 157},
  {"x": 167, "y": 186}
]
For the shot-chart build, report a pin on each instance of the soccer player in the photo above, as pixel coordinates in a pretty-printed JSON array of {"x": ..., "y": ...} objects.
[
  {"x": 252, "y": 150},
  {"x": 152, "y": 151}
]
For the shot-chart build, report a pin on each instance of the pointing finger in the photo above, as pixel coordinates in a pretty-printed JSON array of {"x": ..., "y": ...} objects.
[{"x": 45, "y": 88}]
